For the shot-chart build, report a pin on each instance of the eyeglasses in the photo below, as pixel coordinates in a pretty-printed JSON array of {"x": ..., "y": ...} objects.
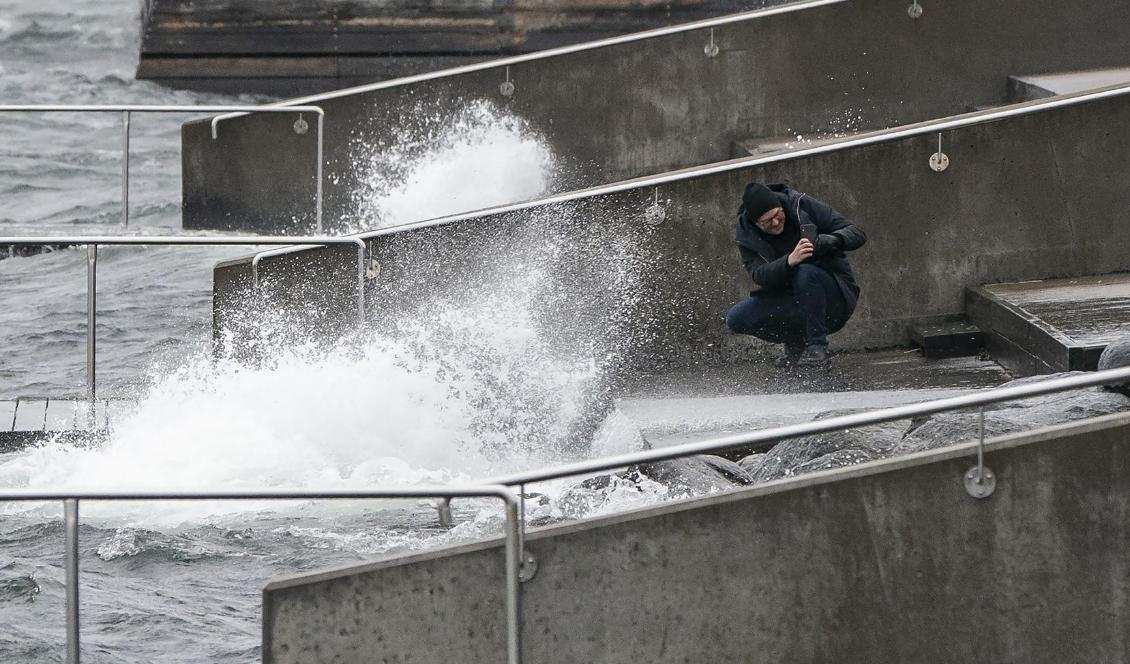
[{"x": 768, "y": 221}]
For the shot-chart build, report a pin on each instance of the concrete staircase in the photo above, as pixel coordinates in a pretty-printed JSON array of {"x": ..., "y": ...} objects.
[{"x": 1039, "y": 327}]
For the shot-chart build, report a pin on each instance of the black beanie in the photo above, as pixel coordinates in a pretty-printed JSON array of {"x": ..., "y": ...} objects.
[{"x": 759, "y": 199}]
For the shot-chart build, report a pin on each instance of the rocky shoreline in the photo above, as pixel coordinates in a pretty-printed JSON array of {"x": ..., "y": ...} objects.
[{"x": 705, "y": 474}]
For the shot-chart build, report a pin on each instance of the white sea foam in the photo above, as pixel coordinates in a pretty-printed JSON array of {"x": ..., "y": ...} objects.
[
  {"x": 473, "y": 392},
  {"x": 475, "y": 157},
  {"x": 488, "y": 377}
]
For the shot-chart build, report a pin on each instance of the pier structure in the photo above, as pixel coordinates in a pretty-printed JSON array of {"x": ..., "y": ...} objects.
[{"x": 303, "y": 46}]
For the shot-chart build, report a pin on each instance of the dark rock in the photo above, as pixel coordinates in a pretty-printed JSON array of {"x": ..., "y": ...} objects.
[
  {"x": 1014, "y": 416},
  {"x": 697, "y": 475},
  {"x": 837, "y": 459},
  {"x": 731, "y": 470},
  {"x": 1116, "y": 356},
  {"x": 24, "y": 250},
  {"x": 752, "y": 462},
  {"x": 843, "y": 448},
  {"x": 683, "y": 478},
  {"x": 798, "y": 455},
  {"x": 592, "y": 494}
]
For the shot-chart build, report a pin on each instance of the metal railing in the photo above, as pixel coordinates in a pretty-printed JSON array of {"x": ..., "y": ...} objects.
[
  {"x": 93, "y": 242},
  {"x": 300, "y": 127},
  {"x": 872, "y": 138},
  {"x": 71, "y": 500},
  {"x": 979, "y": 480}
]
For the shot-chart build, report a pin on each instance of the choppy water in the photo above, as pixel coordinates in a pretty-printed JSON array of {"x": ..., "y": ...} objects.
[{"x": 181, "y": 581}]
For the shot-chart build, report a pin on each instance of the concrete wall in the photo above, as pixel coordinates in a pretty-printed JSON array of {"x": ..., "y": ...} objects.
[
  {"x": 290, "y": 47},
  {"x": 890, "y": 561},
  {"x": 1038, "y": 196},
  {"x": 640, "y": 108}
]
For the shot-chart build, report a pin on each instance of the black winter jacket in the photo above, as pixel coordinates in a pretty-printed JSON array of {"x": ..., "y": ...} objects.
[{"x": 772, "y": 272}]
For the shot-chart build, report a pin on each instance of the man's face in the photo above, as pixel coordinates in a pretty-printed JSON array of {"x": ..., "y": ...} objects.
[{"x": 773, "y": 221}]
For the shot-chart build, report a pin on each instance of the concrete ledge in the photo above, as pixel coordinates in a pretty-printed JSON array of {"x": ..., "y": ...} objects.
[
  {"x": 1060, "y": 324},
  {"x": 886, "y": 561},
  {"x": 1027, "y": 88}
]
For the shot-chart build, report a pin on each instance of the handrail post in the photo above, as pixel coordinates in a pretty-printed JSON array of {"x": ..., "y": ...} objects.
[
  {"x": 318, "y": 172},
  {"x": 91, "y": 324},
  {"x": 70, "y": 518},
  {"x": 125, "y": 169},
  {"x": 513, "y": 588},
  {"x": 361, "y": 250},
  {"x": 522, "y": 518}
]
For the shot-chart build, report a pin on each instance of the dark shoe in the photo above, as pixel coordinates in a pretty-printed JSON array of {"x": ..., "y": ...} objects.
[
  {"x": 792, "y": 354},
  {"x": 814, "y": 357}
]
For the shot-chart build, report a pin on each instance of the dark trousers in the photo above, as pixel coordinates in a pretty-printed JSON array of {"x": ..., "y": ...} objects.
[{"x": 803, "y": 315}]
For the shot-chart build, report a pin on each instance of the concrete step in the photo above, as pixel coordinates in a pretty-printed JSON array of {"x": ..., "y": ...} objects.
[
  {"x": 953, "y": 338},
  {"x": 1038, "y": 327},
  {"x": 1041, "y": 86},
  {"x": 671, "y": 407},
  {"x": 760, "y": 146},
  {"x": 28, "y": 421}
]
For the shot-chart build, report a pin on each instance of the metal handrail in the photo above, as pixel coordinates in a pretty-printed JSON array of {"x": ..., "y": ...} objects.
[
  {"x": 513, "y": 537},
  {"x": 565, "y": 50},
  {"x": 92, "y": 243},
  {"x": 831, "y": 424},
  {"x": 127, "y": 109},
  {"x": 871, "y": 138}
]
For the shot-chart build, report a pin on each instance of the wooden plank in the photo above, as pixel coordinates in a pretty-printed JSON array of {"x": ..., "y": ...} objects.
[
  {"x": 60, "y": 415},
  {"x": 7, "y": 415},
  {"x": 30, "y": 415},
  {"x": 237, "y": 67}
]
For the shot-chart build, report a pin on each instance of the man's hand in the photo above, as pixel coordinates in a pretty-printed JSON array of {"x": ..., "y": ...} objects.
[
  {"x": 801, "y": 253},
  {"x": 828, "y": 244}
]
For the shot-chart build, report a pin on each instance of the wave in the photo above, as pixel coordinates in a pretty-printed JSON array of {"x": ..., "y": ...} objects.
[{"x": 436, "y": 164}]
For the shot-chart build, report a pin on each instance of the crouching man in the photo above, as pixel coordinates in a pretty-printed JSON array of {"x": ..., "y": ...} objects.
[{"x": 793, "y": 246}]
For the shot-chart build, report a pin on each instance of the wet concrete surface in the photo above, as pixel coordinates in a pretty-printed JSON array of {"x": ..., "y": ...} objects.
[
  {"x": 1086, "y": 311},
  {"x": 1046, "y": 85},
  {"x": 687, "y": 405}
]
